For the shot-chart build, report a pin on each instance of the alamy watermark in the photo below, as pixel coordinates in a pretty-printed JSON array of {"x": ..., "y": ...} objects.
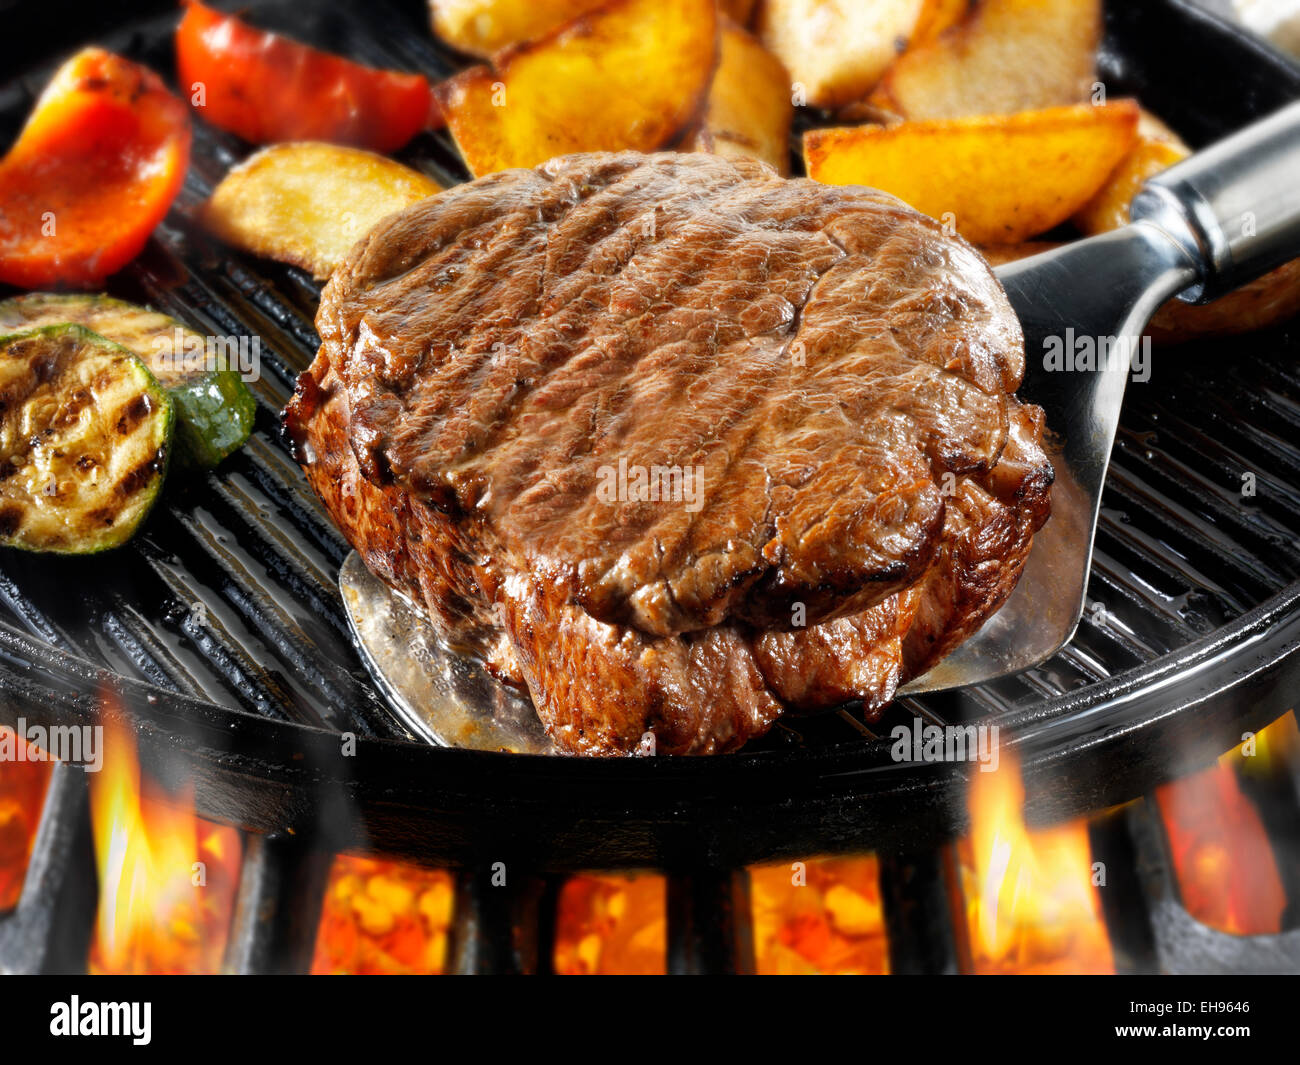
[
  {"x": 240, "y": 353},
  {"x": 78, "y": 744},
  {"x": 1071, "y": 352},
  {"x": 920, "y": 742},
  {"x": 132, "y": 1020},
  {"x": 630, "y": 483}
]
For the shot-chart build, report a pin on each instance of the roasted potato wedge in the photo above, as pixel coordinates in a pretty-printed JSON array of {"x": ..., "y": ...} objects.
[
  {"x": 307, "y": 203},
  {"x": 631, "y": 75},
  {"x": 997, "y": 178},
  {"x": 836, "y": 50},
  {"x": 1157, "y": 149},
  {"x": 484, "y": 27},
  {"x": 749, "y": 109},
  {"x": 1006, "y": 56}
]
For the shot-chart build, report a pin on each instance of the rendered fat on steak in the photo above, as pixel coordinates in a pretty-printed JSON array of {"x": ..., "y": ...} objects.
[{"x": 674, "y": 443}]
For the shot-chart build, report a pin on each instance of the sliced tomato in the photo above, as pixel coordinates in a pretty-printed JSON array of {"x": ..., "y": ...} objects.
[
  {"x": 99, "y": 162},
  {"x": 268, "y": 88}
]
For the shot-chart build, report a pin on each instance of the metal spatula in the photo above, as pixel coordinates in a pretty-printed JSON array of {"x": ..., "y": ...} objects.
[
  {"x": 1211, "y": 223},
  {"x": 1201, "y": 228}
]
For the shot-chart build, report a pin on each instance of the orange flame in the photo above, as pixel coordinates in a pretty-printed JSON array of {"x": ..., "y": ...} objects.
[
  {"x": 1225, "y": 868},
  {"x": 1276, "y": 747},
  {"x": 167, "y": 879},
  {"x": 22, "y": 792},
  {"x": 1031, "y": 906}
]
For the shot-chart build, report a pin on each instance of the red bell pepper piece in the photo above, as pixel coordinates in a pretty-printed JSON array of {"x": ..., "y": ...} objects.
[
  {"x": 102, "y": 156},
  {"x": 268, "y": 88}
]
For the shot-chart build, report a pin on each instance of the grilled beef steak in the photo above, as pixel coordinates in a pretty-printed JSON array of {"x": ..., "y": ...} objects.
[{"x": 674, "y": 443}]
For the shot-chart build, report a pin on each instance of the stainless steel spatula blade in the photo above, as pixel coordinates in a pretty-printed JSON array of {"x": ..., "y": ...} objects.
[
  {"x": 1111, "y": 285},
  {"x": 443, "y": 697},
  {"x": 1213, "y": 222}
]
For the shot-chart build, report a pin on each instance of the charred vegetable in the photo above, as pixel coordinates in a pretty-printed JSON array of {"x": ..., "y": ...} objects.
[
  {"x": 214, "y": 409},
  {"x": 268, "y": 88},
  {"x": 85, "y": 434},
  {"x": 98, "y": 164}
]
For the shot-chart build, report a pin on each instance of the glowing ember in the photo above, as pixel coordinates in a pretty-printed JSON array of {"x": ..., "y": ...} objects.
[
  {"x": 1227, "y": 875},
  {"x": 167, "y": 879},
  {"x": 1271, "y": 748},
  {"x": 382, "y": 918},
  {"x": 809, "y": 917},
  {"x": 22, "y": 791},
  {"x": 819, "y": 917},
  {"x": 1031, "y": 906},
  {"x": 611, "y": 925}
]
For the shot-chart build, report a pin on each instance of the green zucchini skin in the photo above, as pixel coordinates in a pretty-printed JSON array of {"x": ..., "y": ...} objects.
[
  {"x": 85, "y": 440},
  {"x": 214, "y": 408}
]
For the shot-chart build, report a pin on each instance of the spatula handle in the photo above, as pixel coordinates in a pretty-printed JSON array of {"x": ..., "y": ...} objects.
[{"x": 1234, "y": 207}]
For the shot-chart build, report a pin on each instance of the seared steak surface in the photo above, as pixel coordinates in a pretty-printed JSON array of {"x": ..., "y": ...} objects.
[{"x": 676, "y": 443}]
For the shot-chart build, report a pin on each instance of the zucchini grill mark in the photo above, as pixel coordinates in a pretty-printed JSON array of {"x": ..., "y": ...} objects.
[
  {"x": 214, "y": 409},
  {"x": 85, "y": 437}
]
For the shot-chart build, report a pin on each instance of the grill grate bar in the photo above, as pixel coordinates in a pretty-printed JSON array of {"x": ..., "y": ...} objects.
[
  {"x": 1161, "y": 523},
  {"x": 1231, "y": 452},
  {"x": 31, "y": 617},
  {"x": 149, "y": 656},
  {"x": 1086, "y": 667},
  {"x": 251, "y": 587},
  {"x": 1149, "y": 621},
  {"x": 1184, "y": 481},
  {"x": 277, "y": 477},
  {"x": 215, "y": 629},
  {"x": 1134, "y": 550},
  {"x": 309, "y": 574},
  {"x": 177, "y": 659}
]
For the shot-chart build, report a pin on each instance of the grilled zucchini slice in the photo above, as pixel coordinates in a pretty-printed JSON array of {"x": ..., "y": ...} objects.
[
  {"x": 85, "y": 435},
  {"x": 214, "y": 409}
]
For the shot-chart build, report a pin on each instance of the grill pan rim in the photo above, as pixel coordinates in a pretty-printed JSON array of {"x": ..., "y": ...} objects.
[
  {"x": 642, "y": 812},
  {"x": 648, "y": 807}
]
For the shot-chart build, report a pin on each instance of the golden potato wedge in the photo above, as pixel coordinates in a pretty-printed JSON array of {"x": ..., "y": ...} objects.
[
  {"x": 631, "y": 75},
  {"x": 1007, "y": 56},
  {"x": 1157, "y": 149},
  {"x": 484, "y": 27},
  {"x": 836, "y": 50},
  {"x": 997, "y": 178},
  {"x": 307, "y": 203},
  {"x": 749, "y": 110}
]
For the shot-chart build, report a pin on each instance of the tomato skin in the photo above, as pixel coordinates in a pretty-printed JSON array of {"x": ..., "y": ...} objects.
[
  {"x": 267, "y": 88},
  {"x": 99, "y": 162}
]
